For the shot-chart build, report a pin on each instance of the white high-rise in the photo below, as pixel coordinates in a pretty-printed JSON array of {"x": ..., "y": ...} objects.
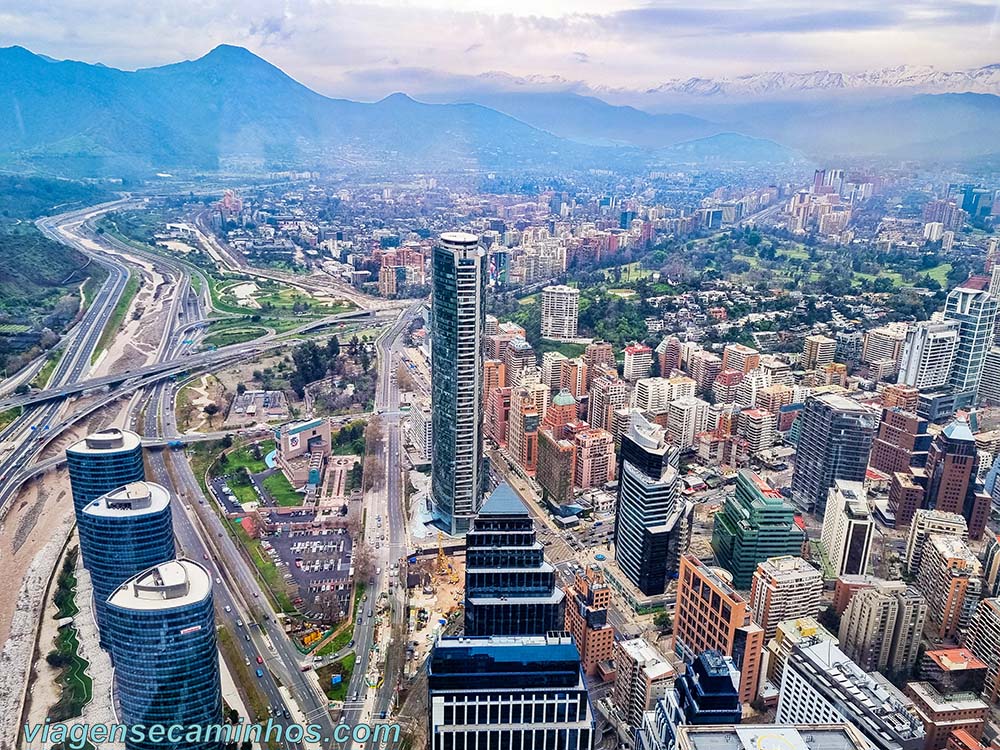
[
  {"x": 975, "y": 310},
  {"x": 560, "y": 311},
  {"x": 847, "y": 528},
  {"x": 686, "y": 417},
  {"x": 928, "y": 354}
]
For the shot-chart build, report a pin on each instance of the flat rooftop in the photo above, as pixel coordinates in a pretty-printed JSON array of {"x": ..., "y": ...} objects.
[
  {"x": 131, "y": 500},
  {"x": 769, "y": 737},
  {"x": 108, "y": 440},
  {"x": 169, "y": 585}
]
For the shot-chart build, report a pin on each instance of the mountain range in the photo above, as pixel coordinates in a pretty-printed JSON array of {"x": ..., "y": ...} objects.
[{"x": 231, "y": 110}]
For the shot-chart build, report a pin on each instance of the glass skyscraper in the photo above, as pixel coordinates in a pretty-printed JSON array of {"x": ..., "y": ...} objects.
[
  {"x": 459, "y": 270},
  {"x": 502, "y": 693},
  {"x": 653, "y": 525},
  {"x": 975, "y": 310},
  {"x": 161, "y": 628},
  {"x": 103, "y": 461},
  {"x": 509, "y": 587},
  {"x": 123, "y": 533},
  {"x": 835, "y": 439}
]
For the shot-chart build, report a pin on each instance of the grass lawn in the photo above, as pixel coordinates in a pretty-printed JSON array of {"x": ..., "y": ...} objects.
[
  {"x": 6, "y": 417},
  {"x": 117, "y": 315},
  {"x": 226, "y": 335},
  {"x": 243, "y": 458},
  {"x": 345, "y": 668},
  {"x": 529, "y": 300},
  {"x": 940, "y": 273},
  {"x": 630, "y": 272},
  {"x": 51, "y": 360},
  {"x": 281, "y": 490},
  {"x": 566, "y": 348}
]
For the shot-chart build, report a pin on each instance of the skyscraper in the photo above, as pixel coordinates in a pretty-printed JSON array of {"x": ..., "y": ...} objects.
[
  {"x": 834, "y": 443},
  {"x": 457, "y": 331},
  {"x": 496, "y": 693},
  {"x": 975, "y": 310},
  {"x": 709, "y": 616},
  {"x": 847, "y": 528},
  {"x": 653, "y": 521},
  {"x": 161, "y": 628},
  {"x": 123, "y": 533},
  {"x": 587, "y": 602},
  {"x": 928, "y": 354},
  {"x": 950, "y": 576},
  {"x": 952, "y": 471},
  {"x": 755, "y": 524},
  {"x": 510, "y": 590},
  {"x": 560, "y": 310},
  {"x": 882, "y": 625},
  {"x": 103, "y": 461},
  {"x": 784, "y": 588}
]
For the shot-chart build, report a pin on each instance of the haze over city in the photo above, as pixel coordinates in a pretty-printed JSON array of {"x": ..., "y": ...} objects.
[{"x": 443, "y": 375}]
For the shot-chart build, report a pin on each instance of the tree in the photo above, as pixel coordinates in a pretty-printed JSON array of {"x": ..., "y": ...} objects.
[
  {"x": 241, "y": 388},
  {"x": 663, "y": 622},
  {"x": 211, "y": 410}
]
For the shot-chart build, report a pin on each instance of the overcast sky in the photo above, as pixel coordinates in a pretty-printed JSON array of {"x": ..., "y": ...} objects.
[{"x": 367, "y": 49}]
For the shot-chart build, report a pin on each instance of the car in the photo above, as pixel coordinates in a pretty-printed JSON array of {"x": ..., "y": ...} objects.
[
  {"x": 260, "y": 673},
  {"x": 218, "y": 580},
  {"x": 285, "y": 714},
  {"x": 204, "y": 556},
  {"x": 239, "y": 623},
  {"x": 351, "y": 643},
  {"x": 369, "y": 613},
  {"x": 228, "y": 609},
  {"x": 256, "y": 595},
  {"x": 260, "y": 659},
  {"x": 246, "y": 637},
  {"x": 247, "y": 662}
]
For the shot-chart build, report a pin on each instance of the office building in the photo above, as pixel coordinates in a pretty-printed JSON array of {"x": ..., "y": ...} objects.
[
  {"x": 740, "y": 357},
  {"x": 818, "y": 350},
  {"x": 638, "y": 362},
  {"x": 510, "y": 589},
  {"x": 523, "y": 422},
  {"x": 834, "y": 442},
  {"x": 606, "y": 395},
  {"x": 653, "y": 523},
  {"x": 587, "y": 602},
  {"x": 123, "y": 533},
  {"x": 705, "y": 694},
  {"x": 755, "y": 524},
  {"x": 928, "y": 354},
  {"x": 991, "y": 564},
  {"x": 989, "y": 386},
  {"x": 949, "y": 576},
  {"x": 711, "y": 615},
  {"x": 758, "y": 736},
  {"x": 944, "y": 713},
  {"x": 952, "y": 471},
  {"x": 161, "y": 628},
  {"x": 903, "y": 397},
  {"x": 459, "y": 271},
  {"x": 103, "y": 461},
  {"x": 821, "y": 685},
  {"x": 975, "y": 310},
  {"x": 560, "y": 312},
  {"x": 847, "y": 529},
  {"x": 787, "y": 634},
  {"x": 494, "y": 376},
  {"x": 643, "y": 676},
  {"x": 926, "y": 522},
  {"x": 882, "y": 625},
  {"x": 784, "y": 588},
  {"x": 902, "y": 442},
  {"x": 686, "y": 417},
  {"x": 496, "y": 421},
  {"x": 556, "y": 467},
  {"x": 421, "y": 428},
  {"x": 498, "y": 693}
]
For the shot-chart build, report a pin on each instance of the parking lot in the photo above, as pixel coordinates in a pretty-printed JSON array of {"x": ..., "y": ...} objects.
[{"x": 318, "y": 565}]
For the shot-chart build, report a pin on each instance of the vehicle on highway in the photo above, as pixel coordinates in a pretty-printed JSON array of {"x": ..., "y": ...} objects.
[
  {"x": 306, "y": 667},
  {"x": 260, "y": 673},
  {"x": 351, "y": 643},
  {"x": 228, "y": 608},
  {"x": 239, "y": 623},
  {"x": 260, "y": 659}
]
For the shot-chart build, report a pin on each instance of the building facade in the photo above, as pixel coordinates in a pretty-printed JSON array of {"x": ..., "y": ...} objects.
[{"x": 103, "y": 461}]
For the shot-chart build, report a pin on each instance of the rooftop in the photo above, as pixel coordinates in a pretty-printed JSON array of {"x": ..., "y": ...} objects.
[
  {"x": 770, "y": 737},
  {"x": 503, "y": 501},
  {"x": 955, "y": 659},
  {"x": 169, "y": 585},
  {"x": 108, "y": 440},
  {"x": 134, "y": 499}
]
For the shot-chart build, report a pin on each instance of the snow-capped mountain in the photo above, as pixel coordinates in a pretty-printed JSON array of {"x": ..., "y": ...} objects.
[{"x": 908, "y": 79}]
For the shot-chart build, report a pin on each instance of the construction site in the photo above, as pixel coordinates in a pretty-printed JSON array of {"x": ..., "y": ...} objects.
[{"x": 436, "y": 584}]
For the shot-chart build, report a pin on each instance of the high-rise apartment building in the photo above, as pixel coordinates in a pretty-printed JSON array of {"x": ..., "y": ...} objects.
[
  {"x": 686, "y": 417},
  {"x": 587, "y": 602},
  {"x": 596, "y": 354},
  {"x": 498, "y": 693},
  {"x": 606, "y": 395},
  {"x": 560, "y": 312},
  {"x": 821, "y": 685},
  {"x": 523, "y": 423},
  {"x": 926, "y": 522},
  {"x": 494, "y": 376},
  {"x": 123, "y": 533},
  {"x": 510, "y": 589},
  {"x": 103, "y": 461},
  {"x": 759, "y": 427},
  {"x": 459, "y": 269},
  {"x": 884, "y": 344},
  {"x": 950, "y": 578},
  {"x": 834, "y": 442},
  {"x": 710, "y": 615},
  {"x": 740, "y": 357},
  {"x": 556, "y": 466},
  {"x": 818, "y": 350},
  {"x": 161, "y": 628},
  {"x": 882, "y": 626},
  {"x": 755, "y": 524},
  {"x": 784, "y": 588},
  {"x": 983, "y": 640},
  {"x": 638, "y": 362},
  {"x": 654, "y": 394},
  {"x": 989, "y": 386},
  {"x": 643, "y": 676},
  {"x": 704, "y": 367},
  {"x": 928, "y": 354},
  {"x": 519, "y": 359},
  {"x": 847, "y": 529},
  {"x": 975, "y": 310},
  {"x": 903, "y": 397},
  {"x": 421, "y": 428},
  {"x": 594, "y": 457},
  {"x": 653, "y": 524}
]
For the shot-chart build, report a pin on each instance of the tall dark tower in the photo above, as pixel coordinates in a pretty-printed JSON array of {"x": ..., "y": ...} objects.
[{"x": 510, "y": 590}]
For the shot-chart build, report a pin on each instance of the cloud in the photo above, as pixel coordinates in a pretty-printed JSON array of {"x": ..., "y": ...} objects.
[{"x": 368, "y": 48}]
